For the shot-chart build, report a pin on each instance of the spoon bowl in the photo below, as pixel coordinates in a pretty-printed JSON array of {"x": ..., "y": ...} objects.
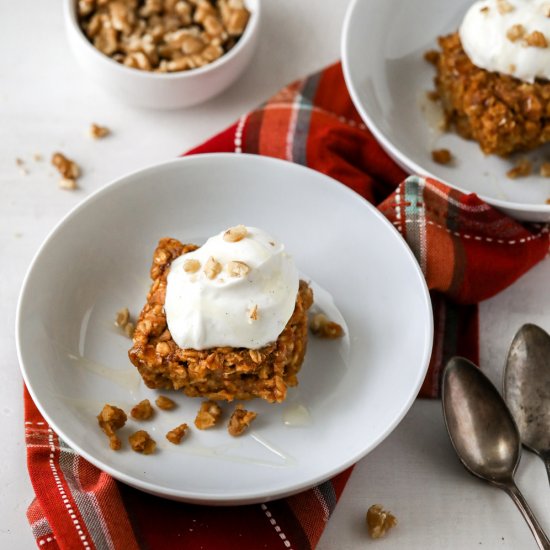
[
  {"x": 527, "y": 388},
  {"x": 484, "y": 434}
]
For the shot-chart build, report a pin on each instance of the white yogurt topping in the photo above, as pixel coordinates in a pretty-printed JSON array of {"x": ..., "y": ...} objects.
[
  {"x": 491, "y": 41},
  {"x": 246, "y": 310}
]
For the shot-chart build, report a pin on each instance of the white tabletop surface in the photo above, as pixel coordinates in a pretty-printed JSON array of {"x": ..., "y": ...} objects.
[{"x": 46, "y": 104}]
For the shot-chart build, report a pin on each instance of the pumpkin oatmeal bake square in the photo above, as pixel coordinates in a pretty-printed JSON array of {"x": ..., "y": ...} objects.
[{"x": 219, "y": 372}]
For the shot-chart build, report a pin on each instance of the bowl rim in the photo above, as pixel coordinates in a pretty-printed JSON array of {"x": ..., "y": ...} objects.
[
  {"x": 247, "y": 497},
  {"x": 401, "y": 158},
  {"x": 69, "y": 9}
]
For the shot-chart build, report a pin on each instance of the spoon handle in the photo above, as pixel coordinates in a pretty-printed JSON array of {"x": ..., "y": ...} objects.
[{"x": 521, "y": 503}]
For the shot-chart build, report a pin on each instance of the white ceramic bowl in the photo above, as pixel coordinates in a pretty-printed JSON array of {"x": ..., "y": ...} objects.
[
  {"x": 356, "y": 389},
  {"x": 383, "y": 43},
  {"x": 163, "y": 90}
]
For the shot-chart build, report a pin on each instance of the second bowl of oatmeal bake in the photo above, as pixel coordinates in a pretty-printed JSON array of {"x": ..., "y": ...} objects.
[
  {"x": 171, "y": 348},
  {"x": 163, "y": 54},
  {"x": 483, "y": 125}
]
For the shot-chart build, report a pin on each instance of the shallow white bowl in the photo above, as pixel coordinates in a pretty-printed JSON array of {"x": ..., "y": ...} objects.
[
  {"x": 356, "y": 389},
  {"x": 382, "y": 53},
  {"x": 163, "y": 90}
]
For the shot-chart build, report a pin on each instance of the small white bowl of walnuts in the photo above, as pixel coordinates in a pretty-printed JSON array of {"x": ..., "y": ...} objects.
[{"x": 163, "y": 54}]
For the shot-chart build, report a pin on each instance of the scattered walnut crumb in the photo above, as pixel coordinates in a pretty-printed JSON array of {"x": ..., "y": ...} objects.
[
  {"x": 515, "y": 33},
  {"x": 535, "y": 39},
  {"x": 545, "y": 169},
  {"x": 142, "y": 442},
  {"x": 235, "y": 234},
  {"x": 122, "y": 320},
  {"x": 68, "y": 169},
  {"x": 110, "y": 419},
  {"x": 143, "y": 410},
  {"x": 19, "y": 162},
  {"x": 176, "y": 435},
  {"x": 208, "y": 415},
  {"x": 442, "y": 156},
  {"x": 379, "y": 521},
  {"x": 432, "y": 56},
  {"x": 547, "y": 201},
  {"x": 253, "y": 314},
  {"x": 37, "y": 157},
  {"x": 512, "y": 68},
  {"x": 212, "y": 268},
  {"x": 97, "y": 132},
  {"x": 24, "y": 171},
  {"x": 191, "y": 266},
  {"x": 322, "y": 326},
  {"x": 504, "y": 6},
  {"x": 165, "y": 403},
  {"x": 240, "y": 420},
  {"x": 485, "y": 9},
  {"x": 522, "y": 169},
  {"x": 237, "y": 269}
]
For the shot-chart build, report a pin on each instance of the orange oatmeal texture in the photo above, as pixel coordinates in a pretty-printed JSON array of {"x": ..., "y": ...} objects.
[
  {"x": 222, "y": 373},
  {"x": 500, "y": 112},
  {"x": 208, "y": 415}
]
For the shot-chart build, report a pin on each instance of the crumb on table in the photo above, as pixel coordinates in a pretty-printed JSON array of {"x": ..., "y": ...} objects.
[
  {"x": 208, "y": 415},
  {"x": 123, "y": 321},
  {"x": 442, "y": 156},
  {"x": 142, "y": 411},
  {"x": 240, "y": 420},
  {"x": 545, "y": 169},
  {"x": 142, "y": 442},
  {"x": 322, "y": 326},
  {"x": 177, "y": 434},
  {"x": 68, "y": 169},
  {"x": 98, "y": 132},
  {"x": 110, "y": 420},
  {"x": 522, "y": 169},
  {"x": 165, "y": 403},
  {"x": 379, "y": 521}
]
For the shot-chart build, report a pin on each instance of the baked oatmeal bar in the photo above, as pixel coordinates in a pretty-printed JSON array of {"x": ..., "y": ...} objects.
[
  {"x": 502, "y": 113},
  {"x": 221, "y": 373}
]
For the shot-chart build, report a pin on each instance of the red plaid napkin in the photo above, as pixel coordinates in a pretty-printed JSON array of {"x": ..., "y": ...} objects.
[{"x": 468, "y": 251}]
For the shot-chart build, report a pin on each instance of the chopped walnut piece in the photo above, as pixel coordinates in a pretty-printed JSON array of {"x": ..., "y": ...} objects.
[
  {"x": 485, "y": 9},
  {"x": 547, "y": 201},
  {"x": 379, "y": 521},
  {"x": 235, "y": 234},
  {"x": 110, "y": 420},
  {"x": 522, "y": 169},
  {"x": 322, "y": 326},
  {"x": 191, "y": 266},
  {"x": 143, "y": 410},
  {"x": 176, "y": 435},
  {"x": 253, "y": 314},
  {"x": 442, "y": 156},
  {"x": 515, "y": 33},
  {"x": 69, "y": 184},
  {"x": 66, "y": 167},
  {"x": 237, "y": 269},
  {"x": 208, "y": 415},
  {"x": 545, "y": 169},
  {"x": 536, "y": 39},
  {"x": 212, "y": 268},
  {"x": 122, "y": 317},
  {"x": 240, "y": 420},
  {"x": 37, "y": 157},
  {"x": 19, "y": 162},
  {"x": 503, "y": 7},
  {"x": 98, "y": 132},
  {"x": 142, "y": 442},
  {"x": 165, "y": 403},
  {"x": 122, "y": 320}
]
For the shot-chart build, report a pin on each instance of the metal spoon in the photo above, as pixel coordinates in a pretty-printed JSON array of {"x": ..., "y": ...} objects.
[
  {"x": 527, "y": 388},
  {"x": 484, "y": 434}
]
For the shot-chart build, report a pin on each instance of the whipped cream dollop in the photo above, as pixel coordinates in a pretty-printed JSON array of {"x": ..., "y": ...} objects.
[
  {"x": 239, "y": 289},
  {"x": 509, "y": 36}
]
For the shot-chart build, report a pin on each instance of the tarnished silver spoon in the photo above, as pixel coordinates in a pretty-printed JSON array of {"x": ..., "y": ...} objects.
[
  {"x": 483, "y": 433},
  {"x": 527, "y": 388}
]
